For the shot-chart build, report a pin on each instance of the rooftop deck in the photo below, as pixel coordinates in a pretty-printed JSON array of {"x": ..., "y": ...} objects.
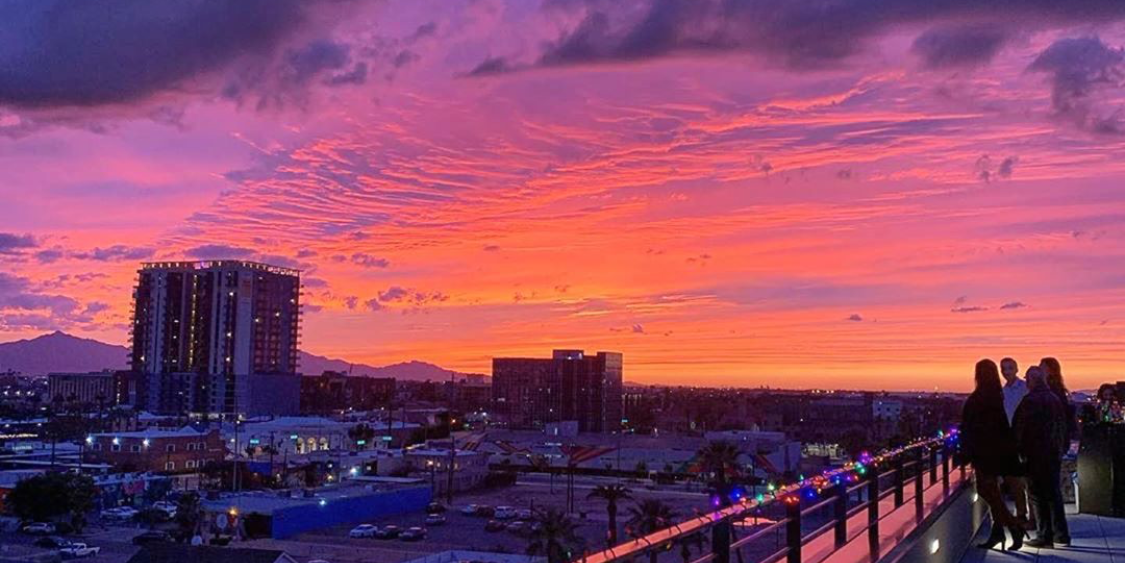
[{"x": 1094, "y": 539}]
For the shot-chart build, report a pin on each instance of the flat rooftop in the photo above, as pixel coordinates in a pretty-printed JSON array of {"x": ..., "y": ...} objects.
[{"x": 219, "y": 264}]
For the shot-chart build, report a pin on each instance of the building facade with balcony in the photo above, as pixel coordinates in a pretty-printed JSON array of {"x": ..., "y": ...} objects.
[{"x": 216, "y": 336}]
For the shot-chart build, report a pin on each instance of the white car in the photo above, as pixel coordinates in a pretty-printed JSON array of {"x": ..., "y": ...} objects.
[
  {"x": 469, "y": 510},
  {"x": 120, "y": 513},
  {"x": 363, "y": 531},
  {"x": 505, "y": 513},
  {"x": 169, "y": 508},
  {"x": 79, "y": 550},
  {"x": 39, "y": 528}
]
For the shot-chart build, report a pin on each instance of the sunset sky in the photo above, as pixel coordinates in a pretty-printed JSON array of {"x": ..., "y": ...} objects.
[{"x": 795, "y": 193}]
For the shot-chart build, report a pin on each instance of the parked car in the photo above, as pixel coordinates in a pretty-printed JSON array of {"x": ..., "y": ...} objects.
[
  {"x": 413, "y": 534},
  {"x": 470, "y": 509},
  {"x": 388, "y": 532},
  {"x": 152, "y": 537},
  {"x": 166, "y": 506},
  {"x": 435, "y": 520},
  {"x": 435, "y": 508},
  {"x": 505, "y": 513},
  {"x": 524, "y": 514},
  {"x": 493, "y": 526},
  {"x": 52, "y": 542},
  {"x": 39, "y": 528},
  {"x": 485, "y": 510},
  {"x": 517, "y": 527},
  {"x": 120, "y": 513},
  {"x": 363, "y": 531},
  {"x": 75, "y": 550}
]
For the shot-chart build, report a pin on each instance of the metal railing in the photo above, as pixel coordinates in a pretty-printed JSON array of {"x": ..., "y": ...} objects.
[{"x": 846, "y": 493}]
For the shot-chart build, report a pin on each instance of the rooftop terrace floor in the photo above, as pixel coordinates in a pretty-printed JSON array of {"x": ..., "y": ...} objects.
[{"x": 1094, "y": 539}]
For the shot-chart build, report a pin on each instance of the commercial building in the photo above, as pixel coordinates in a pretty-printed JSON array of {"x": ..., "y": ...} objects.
[
  {"x": 186, "y": 450},
  {"x": 469, "y": 467},
  {"x": 294, "y": 435},
  {"x": 335, "y": 392},
  {"x": 216, "y": 337},
  {"x": 99, "y": 388},
  {"x": 533, "y": 392},
  {"x": 289, "y": 512}
]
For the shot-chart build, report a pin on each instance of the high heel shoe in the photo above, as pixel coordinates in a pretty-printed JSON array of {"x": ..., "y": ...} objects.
[
  {"x": 1018, "y": 534},
  {"x": 996, "y": 536}
]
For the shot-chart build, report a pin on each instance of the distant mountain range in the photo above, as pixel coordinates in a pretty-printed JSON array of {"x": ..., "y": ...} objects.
[{"x": 61, "y": 352}]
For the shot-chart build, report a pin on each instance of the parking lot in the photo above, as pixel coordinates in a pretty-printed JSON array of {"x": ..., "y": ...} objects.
[
  {"x": 115, "y": 542},
  {"x": 468, "y": 532},
  {"x": 460, "y": 532}
]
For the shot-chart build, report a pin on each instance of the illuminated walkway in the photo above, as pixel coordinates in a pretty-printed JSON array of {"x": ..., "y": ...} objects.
[{"x": 1095, "y": 539}]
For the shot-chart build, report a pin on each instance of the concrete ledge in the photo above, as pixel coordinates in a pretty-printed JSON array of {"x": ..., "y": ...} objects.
[{"x": 945, "y": 534}]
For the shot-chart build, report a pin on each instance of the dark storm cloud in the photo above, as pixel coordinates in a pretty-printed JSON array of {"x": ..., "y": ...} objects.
[
  {"x": 64, "y": 53},
  {"x": 959, "y": 46},
  {"x": 796, "y": 34},
  {"x": 1078, "y": 68},
  {"x": 11, "y": 243}
]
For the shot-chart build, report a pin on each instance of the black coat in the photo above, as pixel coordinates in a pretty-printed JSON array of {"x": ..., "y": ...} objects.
[
  {"x": 986, "y": 438},
  {"x": 1040, "y": 426}
]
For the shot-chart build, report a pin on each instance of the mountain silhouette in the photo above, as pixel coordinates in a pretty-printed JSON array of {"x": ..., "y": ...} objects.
[{"x": 61, "y": 352}]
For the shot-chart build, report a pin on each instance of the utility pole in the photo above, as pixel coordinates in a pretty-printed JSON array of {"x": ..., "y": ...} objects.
[
  {"x": 452, "y": 443},
  {"x": 237, "y": 454}
]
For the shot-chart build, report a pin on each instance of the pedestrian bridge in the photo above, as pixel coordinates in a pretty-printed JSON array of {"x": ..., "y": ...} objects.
[{"x": 911, "y": 504}]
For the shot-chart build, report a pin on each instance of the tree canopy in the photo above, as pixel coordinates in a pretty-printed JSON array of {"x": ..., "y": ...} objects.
[{"x": 54, "y": 495}]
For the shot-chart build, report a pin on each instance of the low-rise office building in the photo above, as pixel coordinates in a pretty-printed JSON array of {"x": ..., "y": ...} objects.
[{"x": 186, "y": 450}]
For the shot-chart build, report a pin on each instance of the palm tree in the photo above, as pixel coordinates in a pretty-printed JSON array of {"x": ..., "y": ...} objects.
[
  {"x": 361, "y": 433},
  {"x": 648, "y": 516},
  {"x": 719, "y": 459},
  {"x": 189, "y": 512},
  {"x": 272, "y": 451},
  {"x": 610, "y": 494},
  {"x": 553, "y": 535}
]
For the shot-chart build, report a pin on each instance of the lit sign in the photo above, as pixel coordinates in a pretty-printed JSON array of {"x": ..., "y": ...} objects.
[
  {"x": 255, "y": 441},
  {"x": 360, "y": 442}
]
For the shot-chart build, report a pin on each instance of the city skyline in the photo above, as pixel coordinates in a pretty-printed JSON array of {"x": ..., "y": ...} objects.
[{"x": 457, "y": 181}]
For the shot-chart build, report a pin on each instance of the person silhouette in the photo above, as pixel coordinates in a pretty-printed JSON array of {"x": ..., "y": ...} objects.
[
  {"x": 1041, "y": 437},
  {"x": 1014, "y": 391},
  {"x": 988, "y": 444}
]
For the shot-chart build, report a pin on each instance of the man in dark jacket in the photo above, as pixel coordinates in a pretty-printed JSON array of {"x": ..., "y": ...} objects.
[{"x": 1041, "y": 435}]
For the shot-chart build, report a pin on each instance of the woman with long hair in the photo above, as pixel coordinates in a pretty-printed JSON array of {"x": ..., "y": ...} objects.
[
  {"x": 987, "y": 442},
  {"x": 1053, "y": 372}
]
